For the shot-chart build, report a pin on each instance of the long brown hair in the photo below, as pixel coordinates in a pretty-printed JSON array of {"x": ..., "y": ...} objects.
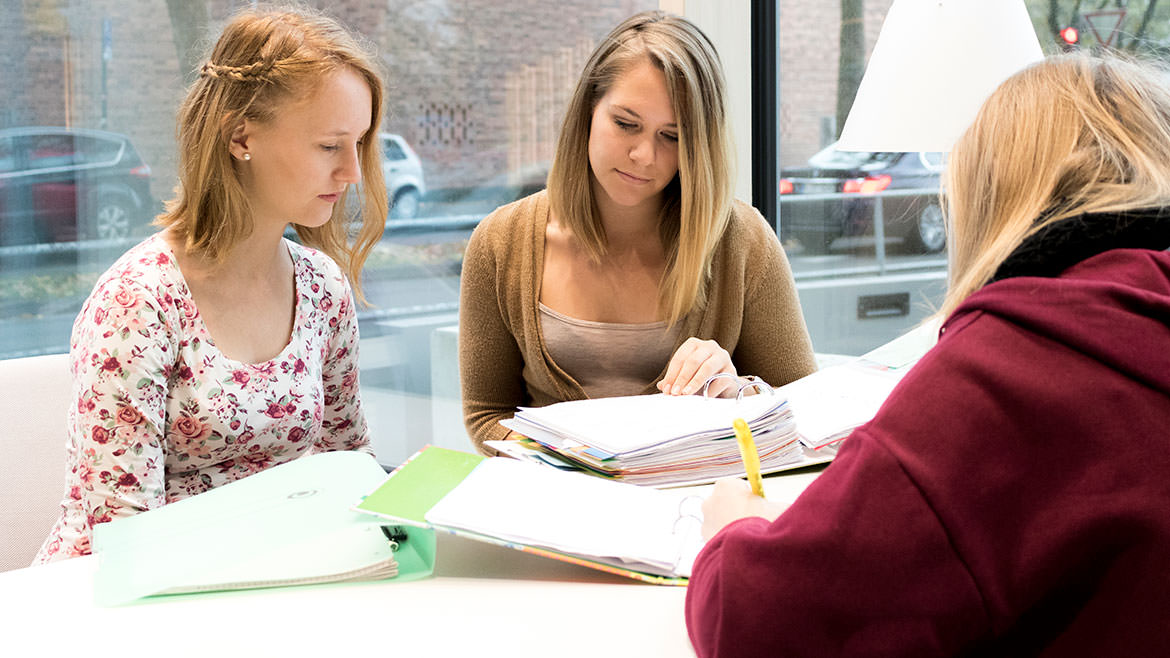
[
  {"x": 698, "y": 201},
  {"x": 264, "y": 58}
]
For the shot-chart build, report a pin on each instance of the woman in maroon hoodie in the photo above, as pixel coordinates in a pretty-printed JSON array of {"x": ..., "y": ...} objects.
[{"x": 1012, "y": 497}]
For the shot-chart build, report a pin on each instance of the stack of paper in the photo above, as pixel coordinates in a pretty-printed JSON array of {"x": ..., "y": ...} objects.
[
  {"x": 660, "y": 440},
  {"x": 829, "y": 404}
]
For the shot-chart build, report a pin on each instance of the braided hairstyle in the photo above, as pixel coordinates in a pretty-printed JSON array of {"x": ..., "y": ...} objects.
[
  {"x": 254, "y": 72},
  {"x": 266, "y": 58}
]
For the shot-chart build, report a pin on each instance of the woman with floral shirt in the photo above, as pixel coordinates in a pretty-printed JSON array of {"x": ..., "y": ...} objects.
[{"x": 217, "y": 348}]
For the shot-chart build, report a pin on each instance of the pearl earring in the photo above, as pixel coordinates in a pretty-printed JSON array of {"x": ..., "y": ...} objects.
[{"x": 247, "y": 156}]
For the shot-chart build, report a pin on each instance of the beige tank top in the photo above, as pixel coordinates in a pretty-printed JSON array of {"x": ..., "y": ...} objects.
[{"x": 608, "y": 359}]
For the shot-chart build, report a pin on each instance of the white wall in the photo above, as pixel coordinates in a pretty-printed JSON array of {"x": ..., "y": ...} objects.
[{"x": 728, "y": 25}]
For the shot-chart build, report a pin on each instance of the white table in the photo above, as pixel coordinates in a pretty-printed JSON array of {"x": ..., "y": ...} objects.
[{"x": 483, "y": 600}]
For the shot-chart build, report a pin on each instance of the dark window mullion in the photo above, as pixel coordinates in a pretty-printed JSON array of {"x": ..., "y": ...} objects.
[{"x": 765, "y": 80}]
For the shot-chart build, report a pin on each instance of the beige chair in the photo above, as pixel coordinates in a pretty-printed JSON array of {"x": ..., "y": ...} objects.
[{"x": 34, "y": 396}]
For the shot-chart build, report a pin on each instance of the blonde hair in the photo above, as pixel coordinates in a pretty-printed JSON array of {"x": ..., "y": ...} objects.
[
  {"x": 1070, "y": 135},
  {"x": 698, "y": 201},
  {"x": 265, "y": 58}
]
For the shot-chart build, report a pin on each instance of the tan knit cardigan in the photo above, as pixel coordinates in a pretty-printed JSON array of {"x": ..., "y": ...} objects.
[{"x": 752, "y": 311}]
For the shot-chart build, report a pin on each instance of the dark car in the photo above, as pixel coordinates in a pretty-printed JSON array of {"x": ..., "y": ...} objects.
[
  {"x": 62, "y": 185},
  {"x": 843, "y": 182}
]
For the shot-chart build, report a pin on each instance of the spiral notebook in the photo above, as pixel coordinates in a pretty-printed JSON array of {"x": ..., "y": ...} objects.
[{"x": 637, "y": 532}]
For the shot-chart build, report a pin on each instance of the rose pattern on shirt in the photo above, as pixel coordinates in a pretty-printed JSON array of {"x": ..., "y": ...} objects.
[{"x": 160, "y": 414}]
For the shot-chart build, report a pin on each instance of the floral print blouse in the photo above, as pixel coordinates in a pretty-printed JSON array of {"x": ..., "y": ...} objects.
[{"x": 159, "y": 414}]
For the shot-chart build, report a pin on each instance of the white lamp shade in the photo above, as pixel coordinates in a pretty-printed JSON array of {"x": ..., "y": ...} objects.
[{"x": 934, "y": 63}]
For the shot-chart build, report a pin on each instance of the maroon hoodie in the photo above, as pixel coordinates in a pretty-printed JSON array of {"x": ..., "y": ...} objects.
[{"x": 1012, "y": 497}]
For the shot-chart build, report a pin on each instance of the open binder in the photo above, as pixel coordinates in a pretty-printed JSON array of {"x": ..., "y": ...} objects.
[
  {"x": 288, "y": 525},
  {"x": 637, "y": 532}
]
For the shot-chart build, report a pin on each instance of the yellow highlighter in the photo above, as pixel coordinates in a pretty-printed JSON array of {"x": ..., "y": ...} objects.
[{"x": 751, "y": 458}]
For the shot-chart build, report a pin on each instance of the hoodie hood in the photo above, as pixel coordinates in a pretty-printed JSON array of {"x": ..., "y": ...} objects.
[
  {"x": 1060, "y": 245},
  {"x": 1113, "y": 306}
]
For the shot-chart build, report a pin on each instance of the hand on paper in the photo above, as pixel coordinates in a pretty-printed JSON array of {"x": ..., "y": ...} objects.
[
  {"x": 732, "y": 499},
  {"x": 695, "y": 361}
]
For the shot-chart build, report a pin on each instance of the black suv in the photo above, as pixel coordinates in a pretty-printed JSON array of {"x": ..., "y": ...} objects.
[{"x": 62, "y": 185}]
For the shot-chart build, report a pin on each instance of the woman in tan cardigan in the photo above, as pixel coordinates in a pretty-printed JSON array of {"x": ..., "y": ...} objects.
[{"x": 636, "y": 272}]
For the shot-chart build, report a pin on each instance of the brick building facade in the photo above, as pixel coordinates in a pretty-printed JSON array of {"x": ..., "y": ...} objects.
[
  {"x": 809, "y": 51},
  {"x": 476, "y": 86}
]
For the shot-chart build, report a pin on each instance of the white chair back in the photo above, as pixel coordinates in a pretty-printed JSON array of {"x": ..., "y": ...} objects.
[{"x": 34, "y": 397}]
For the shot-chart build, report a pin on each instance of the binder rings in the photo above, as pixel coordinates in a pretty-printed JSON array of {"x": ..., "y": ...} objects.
[
  {"x": 288, "y": 525},
  {"x": 647, "y": 534}
]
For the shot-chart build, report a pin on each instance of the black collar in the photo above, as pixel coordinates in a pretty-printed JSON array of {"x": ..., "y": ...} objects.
[{"x": 1060, "y": 245}]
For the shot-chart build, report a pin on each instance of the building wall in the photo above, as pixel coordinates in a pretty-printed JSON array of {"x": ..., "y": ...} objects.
[
  {"x": 31, "y": 65},
  {"x": 809, "y": 50},
  {"x": 476, "y": 86}
]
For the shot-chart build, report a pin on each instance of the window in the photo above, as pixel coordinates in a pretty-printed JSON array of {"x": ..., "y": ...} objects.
[
  {"x": 391, "y": 150},
  {"x": 7, "y": 155},
  {"x": 474, "y": 103},
  {"x": 831, "y": 158},
  {"x": 860, "y": 228},
  {"x": 863, "y": 230},
  {"x": 47, "y": 151},
  {"x": 87, "y": 158}
]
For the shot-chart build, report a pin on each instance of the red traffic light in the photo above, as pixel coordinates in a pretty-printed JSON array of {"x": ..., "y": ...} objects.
[{"x": 1070, "y": 35}]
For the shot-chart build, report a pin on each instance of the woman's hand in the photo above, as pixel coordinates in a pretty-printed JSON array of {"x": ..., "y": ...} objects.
[
  {"x": 693, "y": 363},
  {"x": 732, "y": 499}
]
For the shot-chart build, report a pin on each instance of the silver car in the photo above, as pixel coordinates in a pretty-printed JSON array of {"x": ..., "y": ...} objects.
[{"x": 404, "y": 176}]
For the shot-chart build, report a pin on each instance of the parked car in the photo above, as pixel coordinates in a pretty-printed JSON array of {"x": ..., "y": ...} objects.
[
  {"x": 916, "y": 219},
  {"x": 61, "y": 185},
  {"x": 404, "y": 176}
]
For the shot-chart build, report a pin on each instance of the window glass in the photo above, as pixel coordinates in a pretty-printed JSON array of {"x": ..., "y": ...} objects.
[
  {"x": 865, "y": 231},
  {"x": 935, "y": 160},
  {"x": 391, "y": 150},
  {"x": 7, "y": 156},
  {"x": 831, "y": 158},
  {"x": 46, "y": 151},
  {"x": 94, "y": 150},
  {"x": 474, "y": 100},
  {"x": 475, "y": 95}
]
